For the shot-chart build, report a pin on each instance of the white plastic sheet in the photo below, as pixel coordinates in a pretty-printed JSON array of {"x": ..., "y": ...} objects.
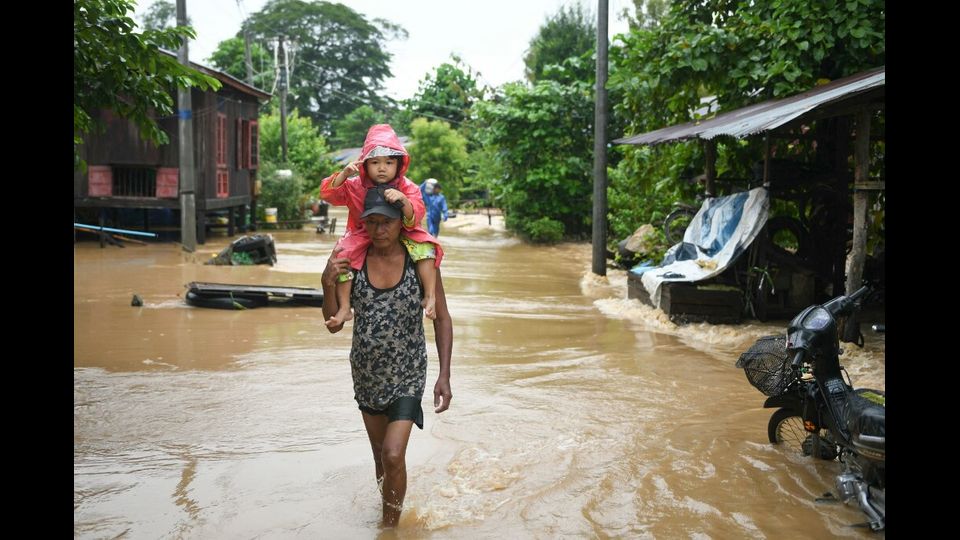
[{"x": 723, "y": 228}]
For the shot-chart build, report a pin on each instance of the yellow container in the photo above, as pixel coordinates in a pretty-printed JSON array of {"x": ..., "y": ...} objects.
[{"x": 271, "y": 215}]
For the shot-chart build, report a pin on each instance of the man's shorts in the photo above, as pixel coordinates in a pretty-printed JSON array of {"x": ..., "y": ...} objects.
[{"x": 402, "y": 408}]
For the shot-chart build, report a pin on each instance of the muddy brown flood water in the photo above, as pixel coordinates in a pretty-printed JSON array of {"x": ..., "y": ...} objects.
[{"x": 576, "y": 412}]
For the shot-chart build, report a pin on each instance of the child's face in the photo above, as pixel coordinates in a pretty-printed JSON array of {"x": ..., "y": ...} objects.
[{"x": 382, "y": 169}]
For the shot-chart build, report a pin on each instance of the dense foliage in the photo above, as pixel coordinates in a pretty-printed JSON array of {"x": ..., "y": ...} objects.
[
  {"x": 569, "y": 33},
  {"x": 230, "y": 57},
  {"x": 528, "y": 147},
  {"x": 306, "y": 147},
  {"x": 743, "y": 52},
  {"x": 542, "y": 139},
  {"x": 351, "y": 130},
  {"x": 438, "y": 151},
  {"x": 736, "y": 52},
  {"x": 288, "y": 194},
  {"x": 161, "y": 14},
  {"x": 448, "y": 93},
  {"x": 338, "y": 57},
  {"x": 306, "y": 159}
]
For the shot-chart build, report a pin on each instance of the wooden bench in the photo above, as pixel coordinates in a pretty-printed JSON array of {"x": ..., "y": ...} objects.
[{"x": 692, "y": 302}]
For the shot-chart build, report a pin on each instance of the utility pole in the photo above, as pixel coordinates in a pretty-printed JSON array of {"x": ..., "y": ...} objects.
[
  {"x": 600, "y": 148},
  {"x": 247, "y": 58},
  {"x": 283, "y": 100},
  {"x": 248, "y": 61},
  {"x": 188, "y": 207}
]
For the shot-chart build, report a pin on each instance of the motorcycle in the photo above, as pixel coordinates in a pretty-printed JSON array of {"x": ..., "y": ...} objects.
[{"x": 818, "y": 412}]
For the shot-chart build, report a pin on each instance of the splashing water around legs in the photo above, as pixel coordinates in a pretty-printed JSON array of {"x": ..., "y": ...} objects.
[{"x": 581, "y": 413}]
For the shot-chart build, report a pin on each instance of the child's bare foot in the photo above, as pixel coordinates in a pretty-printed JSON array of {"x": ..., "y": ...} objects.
[
  {"x": 429, "y": 307},
  {"x": 339, "y": 318}
]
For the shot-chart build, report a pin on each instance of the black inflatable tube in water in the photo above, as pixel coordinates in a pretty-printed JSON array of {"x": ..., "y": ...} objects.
[{"x": 225, "y": 302}]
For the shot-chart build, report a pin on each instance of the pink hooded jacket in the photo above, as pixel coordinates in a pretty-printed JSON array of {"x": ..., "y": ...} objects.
[{"x": 353, "y": 190}]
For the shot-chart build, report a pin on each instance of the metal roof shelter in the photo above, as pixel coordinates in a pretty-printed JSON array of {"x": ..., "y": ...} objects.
[
  {"x": 842, "y": 96},
  {"x": 857, "y": 95}
]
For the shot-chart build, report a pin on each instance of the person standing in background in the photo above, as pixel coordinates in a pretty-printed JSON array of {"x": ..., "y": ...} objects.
[{"x": 435, "y": 204}]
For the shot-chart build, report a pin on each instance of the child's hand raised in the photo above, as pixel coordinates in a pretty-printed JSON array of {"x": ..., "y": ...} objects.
[
  {"x": 352, "y": 168},
  {"x": 395, "y": 197}
]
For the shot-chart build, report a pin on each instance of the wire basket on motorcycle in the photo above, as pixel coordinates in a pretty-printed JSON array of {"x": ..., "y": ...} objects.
[{"x": 767, "y": 365}]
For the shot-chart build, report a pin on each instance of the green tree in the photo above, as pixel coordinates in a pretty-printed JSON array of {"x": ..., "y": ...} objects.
[
  {"x": 351, "y": 130},
  {"x": 644, "y": 185},
  {"x": 542, "y": 141},
  {"x": 339, "y": 57},
  {"x": 742, "y": 52},
  {"x": 306, "y": 147},
  {"x": 646, "y": 13},
  {"x": 400, "y": 117},
  {"x": 570, "y": 33},
  {"x": 738, "y": 51},
  {"x": 160, "y": 15},
  {"x": 287, "y": 193},
  {"x": 230, "y": 58},
  {"x": 448, "y": 93},
  {"x": 116, "y": 68},
  {"x": 438, "y": 151},
  {"x": 306, "y": 158},
  {"x": 480, "y": 177}
]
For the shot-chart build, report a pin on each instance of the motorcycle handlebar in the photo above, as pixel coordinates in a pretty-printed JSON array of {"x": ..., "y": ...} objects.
[
  {"x": 842, "y": 305},
  {"x": 859, "y": 293}
]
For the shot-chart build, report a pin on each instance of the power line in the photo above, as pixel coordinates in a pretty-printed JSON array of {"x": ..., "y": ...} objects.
[
  {"x": 358, "y": 99},
  {"x": 435, "y": 104}
]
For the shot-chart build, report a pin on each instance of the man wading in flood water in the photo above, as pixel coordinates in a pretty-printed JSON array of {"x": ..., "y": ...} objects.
[{"x": 388, "y": 357}]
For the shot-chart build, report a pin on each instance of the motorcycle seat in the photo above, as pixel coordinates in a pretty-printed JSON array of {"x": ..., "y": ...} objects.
[{"x": 866, "y": 425}]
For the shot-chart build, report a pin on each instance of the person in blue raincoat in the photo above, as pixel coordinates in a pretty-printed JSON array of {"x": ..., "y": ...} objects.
[{"x": 435, "y": 203}]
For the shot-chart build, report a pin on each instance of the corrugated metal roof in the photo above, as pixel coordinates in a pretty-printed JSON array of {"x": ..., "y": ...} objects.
[{"x": 769, "y": 114}]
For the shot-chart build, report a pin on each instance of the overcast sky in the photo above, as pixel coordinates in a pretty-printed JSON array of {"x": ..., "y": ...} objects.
[{"x": 490, "y": 36}]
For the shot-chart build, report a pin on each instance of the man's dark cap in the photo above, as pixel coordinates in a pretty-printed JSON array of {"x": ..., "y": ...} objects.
[{"x": 376, "y": 203}]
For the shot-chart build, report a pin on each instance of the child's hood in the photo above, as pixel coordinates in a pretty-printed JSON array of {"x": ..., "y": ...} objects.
[{"x": 383, "y": 135}]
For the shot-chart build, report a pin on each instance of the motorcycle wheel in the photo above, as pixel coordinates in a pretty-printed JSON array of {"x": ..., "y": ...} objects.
[
  {"x": 676, "y": 224},
  {"x": 786, "y": 428}
]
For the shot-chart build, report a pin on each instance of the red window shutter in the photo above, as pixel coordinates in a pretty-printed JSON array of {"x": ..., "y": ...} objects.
[
  {"x": 246, "y": 144},
  {"x": 99, "y": 181},
  {"x": 254, "y": 146},
  {"x": 168, "y": 182},
  {"x": 221, "y": 140},
  {"x": 239, "y": 144},
  {"x": 223, "y": 183}
]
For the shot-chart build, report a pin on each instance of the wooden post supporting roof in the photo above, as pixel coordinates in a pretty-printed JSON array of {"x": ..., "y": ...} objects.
[
  {"x": 710, "y": 156},
  {"x": 861, "y": 194}
]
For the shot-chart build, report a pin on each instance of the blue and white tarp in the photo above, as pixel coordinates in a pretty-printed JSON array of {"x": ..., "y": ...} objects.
[{"x": 722, "y": 229}]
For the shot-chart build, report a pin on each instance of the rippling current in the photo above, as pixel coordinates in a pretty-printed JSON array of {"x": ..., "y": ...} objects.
[{"x": 576, "y": 412}]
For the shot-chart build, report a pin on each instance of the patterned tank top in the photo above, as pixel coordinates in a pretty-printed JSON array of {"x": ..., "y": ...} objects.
[{"x": 388, "y": 358}]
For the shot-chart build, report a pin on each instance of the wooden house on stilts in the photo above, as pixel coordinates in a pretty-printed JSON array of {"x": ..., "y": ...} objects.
[{"x": 125, "y": 172}]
